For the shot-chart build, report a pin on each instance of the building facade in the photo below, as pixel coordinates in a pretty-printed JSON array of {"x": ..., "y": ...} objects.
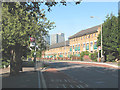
[
  {"x": 57, "y": 50},
  {"x": 85, "y": 40},
  {"x": 57, "y": 38}
]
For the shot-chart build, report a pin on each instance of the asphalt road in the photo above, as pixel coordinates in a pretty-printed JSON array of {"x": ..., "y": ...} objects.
[{"x": 91, "y": 76}]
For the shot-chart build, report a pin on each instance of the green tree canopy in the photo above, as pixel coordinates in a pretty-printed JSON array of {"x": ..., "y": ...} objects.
[{"x": 110, "y": 38}]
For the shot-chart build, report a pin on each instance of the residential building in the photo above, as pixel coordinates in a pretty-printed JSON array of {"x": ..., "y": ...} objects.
[
  {"x": 58, "y": 50},
  {"x": 85, "y": 40}
]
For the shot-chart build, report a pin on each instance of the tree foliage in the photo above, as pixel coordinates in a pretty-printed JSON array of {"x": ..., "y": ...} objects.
[
  {"x": 110, "y": 36},
  {"x": 17, "y": 25}
]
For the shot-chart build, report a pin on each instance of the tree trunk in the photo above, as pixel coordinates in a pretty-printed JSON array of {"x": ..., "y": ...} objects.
[{"x": 15, "y": 62}]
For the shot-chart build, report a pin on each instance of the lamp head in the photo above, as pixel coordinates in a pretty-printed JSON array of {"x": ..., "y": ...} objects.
[{"x": 91, "y": 16}]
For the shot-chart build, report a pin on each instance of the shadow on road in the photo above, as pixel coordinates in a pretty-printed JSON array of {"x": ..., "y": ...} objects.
[
  {"x": 94, "y": 77},
  {"x": 26, "y": 79}
]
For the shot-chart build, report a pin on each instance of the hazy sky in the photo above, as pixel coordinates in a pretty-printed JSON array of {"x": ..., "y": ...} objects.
[{"x": 74, "y": 18}]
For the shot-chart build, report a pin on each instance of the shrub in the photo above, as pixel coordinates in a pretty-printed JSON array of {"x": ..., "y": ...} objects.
[
  {"x": 5, "y": 63},
  {"x": 110, "y": 57},
  {"x": 93, "y": 56},
  {"x": 82, "y": 54}
]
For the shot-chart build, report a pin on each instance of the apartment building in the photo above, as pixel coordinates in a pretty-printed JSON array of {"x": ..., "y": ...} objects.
[
  {"x": 57, "y": 50},
  {"x": 84, "y": 40}
]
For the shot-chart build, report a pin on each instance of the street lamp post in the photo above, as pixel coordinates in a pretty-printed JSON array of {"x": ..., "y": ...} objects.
[{"x": 101, "y": 40}]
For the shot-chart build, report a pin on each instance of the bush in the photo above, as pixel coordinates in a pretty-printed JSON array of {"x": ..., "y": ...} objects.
[
  {"x": 82, "y": 54},
  {"x": 110, "y": 57},
  {"x": 5, "y": 63},
  {"x": 93, "y": 56}
]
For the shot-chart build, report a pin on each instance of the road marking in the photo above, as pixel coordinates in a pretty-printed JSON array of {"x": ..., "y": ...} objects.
[
  {"x": 68, "y": 80},
  {"x": 81, "y": 86},
  {"x": 71, "y": 86},
  {"x": 64, "y": 86},
  {"x": 86, "y": 85},
  {"x": 39, "y": 86},
  {"x": 65, "y": 80},
  {"x": 78, "y": 86},
  {"x": 43, "y": 80}
]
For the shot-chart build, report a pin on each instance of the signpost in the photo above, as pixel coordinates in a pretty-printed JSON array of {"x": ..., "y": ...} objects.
[{"x": 33, "y": 44}]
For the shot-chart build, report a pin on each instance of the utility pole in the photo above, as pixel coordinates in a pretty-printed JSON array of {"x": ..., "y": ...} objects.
[{"x": 101, "y": 45}]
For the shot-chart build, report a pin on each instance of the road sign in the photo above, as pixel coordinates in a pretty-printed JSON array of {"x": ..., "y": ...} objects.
[
  {"x": 32, "y": 39},
  {"x": 32, "y": 44}
]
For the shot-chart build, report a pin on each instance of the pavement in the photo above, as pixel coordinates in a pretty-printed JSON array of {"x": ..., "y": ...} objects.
[{"x": 26, "y": 79}]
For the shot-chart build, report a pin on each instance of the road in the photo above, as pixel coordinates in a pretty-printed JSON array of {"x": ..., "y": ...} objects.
[{"x": 90, "y": 76}]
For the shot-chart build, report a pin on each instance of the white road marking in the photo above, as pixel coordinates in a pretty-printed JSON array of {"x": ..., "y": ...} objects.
[
  {"x": 81, "y": 86},
  {"x": 71, "y": 86},
  {"x": 68, "y": 80},
  {"x": 86, "y": 85},
  {"x": 39, "y": 86},
  {"x": 78, "y": 86},
  {"x": 65, "y": 80},
  {"x": 64, "y": 86}
]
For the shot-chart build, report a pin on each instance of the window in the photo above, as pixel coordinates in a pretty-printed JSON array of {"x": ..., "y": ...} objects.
[
  {"x": 73, "y": 46},
  {"x": 95, "y": 34},
  {"x": 89, "y": 36},
  {"x": 91, "y": 44},
  {"x": 92, "y": 35},
  {"x": 83, "y": 45}
]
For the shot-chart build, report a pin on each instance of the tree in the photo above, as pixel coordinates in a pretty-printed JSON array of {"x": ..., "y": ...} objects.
[
  {"x": 110, "y": 40},
  {"x": 19, "y": 21},
  {"x": 17, "y": 25}
]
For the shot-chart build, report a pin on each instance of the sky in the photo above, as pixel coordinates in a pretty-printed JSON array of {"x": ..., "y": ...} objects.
[{"x": 73, "y": 18}]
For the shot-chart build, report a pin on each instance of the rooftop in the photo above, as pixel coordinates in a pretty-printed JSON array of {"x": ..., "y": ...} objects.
[
  {"x": 61, "y": 44},
  {"x": 85, "y": 32}
]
